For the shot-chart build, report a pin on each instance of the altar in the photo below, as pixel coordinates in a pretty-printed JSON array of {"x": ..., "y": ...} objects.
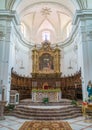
[
  {"x": 46, "y": 73},
  {"x": 53, "y": 95}
]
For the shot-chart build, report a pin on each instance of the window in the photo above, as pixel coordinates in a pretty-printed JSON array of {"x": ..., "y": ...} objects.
[
  {"x": 46, "y": 35},
  {"x": 22, "y": 28},
  {"x": 69, "y": 29}
]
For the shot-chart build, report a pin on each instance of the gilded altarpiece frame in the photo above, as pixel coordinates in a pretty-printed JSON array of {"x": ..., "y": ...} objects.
[{"x": 46, "y": 60}]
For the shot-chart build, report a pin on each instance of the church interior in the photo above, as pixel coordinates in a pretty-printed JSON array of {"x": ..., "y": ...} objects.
[{"x": 45, "y": 65}]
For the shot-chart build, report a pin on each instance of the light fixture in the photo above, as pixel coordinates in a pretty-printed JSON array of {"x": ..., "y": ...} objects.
[
  {"x": 70, "y": 67},
  {"x": 21, "y": 67}
]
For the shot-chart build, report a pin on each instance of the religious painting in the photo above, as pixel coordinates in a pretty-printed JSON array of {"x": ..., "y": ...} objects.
[{"x": 46, "y": 62}]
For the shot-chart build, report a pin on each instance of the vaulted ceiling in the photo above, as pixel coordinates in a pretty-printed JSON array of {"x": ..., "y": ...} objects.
[
  {"x": 42, "y": 15},
  {"x": 50, "y": 15}
]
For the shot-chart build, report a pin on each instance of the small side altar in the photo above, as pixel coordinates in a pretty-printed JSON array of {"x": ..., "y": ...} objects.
[{"x": 53, "y": 95}]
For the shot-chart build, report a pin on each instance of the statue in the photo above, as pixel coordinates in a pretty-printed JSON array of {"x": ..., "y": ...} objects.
[{"x": 89, "y": 88}]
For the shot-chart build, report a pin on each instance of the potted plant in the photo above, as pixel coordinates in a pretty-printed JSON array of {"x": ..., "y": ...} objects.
[
  {"x": 74, "y": 102},
  {"x": 45, "y": 100},
  {"x": 11, "y": 107}
]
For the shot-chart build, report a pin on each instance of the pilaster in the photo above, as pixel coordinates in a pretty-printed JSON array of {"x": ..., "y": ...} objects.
[
  {"x": 83, "y": 19},
  {"x": 6, "y": 17}
]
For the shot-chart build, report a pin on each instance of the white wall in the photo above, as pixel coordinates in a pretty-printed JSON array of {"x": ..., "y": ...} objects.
[
  {"x": 69, "y": 59},
  {"x": 2, "y": 4},
  {"x": 20, "y": 55}
]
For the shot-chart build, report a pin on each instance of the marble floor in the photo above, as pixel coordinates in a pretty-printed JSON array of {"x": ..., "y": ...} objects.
[{"x": 13, "y": 123}]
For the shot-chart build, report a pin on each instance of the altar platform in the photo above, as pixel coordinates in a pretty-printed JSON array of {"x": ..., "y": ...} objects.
[
  {"x": 29, "y": 102},
  {"x": 63, "y": 109}
]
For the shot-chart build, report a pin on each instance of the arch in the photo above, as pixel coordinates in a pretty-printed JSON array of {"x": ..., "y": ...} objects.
[
  {"x": 79, "y": 4},
  {"x": 15, "y": 3}
]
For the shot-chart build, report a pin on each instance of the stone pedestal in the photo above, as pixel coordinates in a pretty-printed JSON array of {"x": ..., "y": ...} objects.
[
  {"x": 14, "y": 97},
  {"x": 2, "y": 104}
]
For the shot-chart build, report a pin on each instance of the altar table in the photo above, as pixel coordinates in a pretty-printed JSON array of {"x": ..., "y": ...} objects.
[{"x": 53, "y": 95}]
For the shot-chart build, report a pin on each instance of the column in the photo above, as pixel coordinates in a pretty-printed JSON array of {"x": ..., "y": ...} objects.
[
  {"x": 6, "y": 22},
  {"x": 83, "y": 24},
  {"x": 87, "y": 60}
]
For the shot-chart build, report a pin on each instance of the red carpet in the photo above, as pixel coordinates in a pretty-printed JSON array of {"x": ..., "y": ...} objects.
[{"x": 45, "y": 125}]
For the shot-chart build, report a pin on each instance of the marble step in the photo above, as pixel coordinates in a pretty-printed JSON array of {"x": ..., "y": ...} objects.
[
  {"x": 44, "y": 110},
  {"x": 47, "y": 114},
  {"x": 30, "y": 102},
  {"x": 47, "y": 118}
]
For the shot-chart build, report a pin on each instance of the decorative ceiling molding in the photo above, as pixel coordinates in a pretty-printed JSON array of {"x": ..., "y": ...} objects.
[
  {"x": 33, "y": 19},
  {"x": 13, "y": 4},
  {"x": 59, "y": 5},
  {"x": 49, "y": 22},
  {"x": 46, "y": 11}
]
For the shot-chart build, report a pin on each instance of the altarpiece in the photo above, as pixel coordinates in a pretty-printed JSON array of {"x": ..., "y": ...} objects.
[
  {"x": 46, "y": 60},
  {"x": 46, "y": 73}
]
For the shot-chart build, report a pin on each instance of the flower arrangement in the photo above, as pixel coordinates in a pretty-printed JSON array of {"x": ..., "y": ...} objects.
[
  {"x": 46, "y": 90},
  {"x": 10, "y": 107},
  {"x": 87, "y": 101},
  {"x": 84, "y": 103}
]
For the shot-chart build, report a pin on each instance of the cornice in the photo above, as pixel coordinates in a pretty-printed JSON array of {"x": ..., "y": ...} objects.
[
  {"x": 9, "y": 15},
  {"x": 13, "y": 17},
  {"x": 70, "y": 39},
  {"x": 82, "y": 14}
]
